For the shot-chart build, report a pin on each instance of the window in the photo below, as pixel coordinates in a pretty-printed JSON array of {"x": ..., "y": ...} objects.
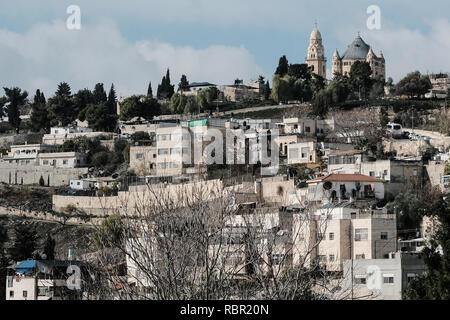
[
  {"x": 162, "y": 165},
  {"x": 360, "y": 256},
  {"x": 331, "y": 236},
  {"x": 331, "y": 258},
  {"x": 11, "y": 294},
  {"x": 163, "y": 152},
  {"x": 139, "y": 156},
  {"x": 322, "y": 258},
  {"x": 10, "y": 281},
  {"x": 388, "y": 278},
  {"x": 176, "y": 151},
  {"x": 24, "y": 293},
  {"x": 65, "y": 161},
  {"x": 78, "y": 183},
  {"x": 307, "y": 129},
  {"x": 359, "y": 279},
  {"x": 45, "y": 162},
  {"x": 384, "y": 236},
  {"x": 361, "y": 234},
  {"x": 42, "y": 291},
  {"x": 372, "y": 173}
]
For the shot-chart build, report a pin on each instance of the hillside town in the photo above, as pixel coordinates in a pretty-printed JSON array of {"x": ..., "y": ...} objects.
[{"x": 299, "y": 188}]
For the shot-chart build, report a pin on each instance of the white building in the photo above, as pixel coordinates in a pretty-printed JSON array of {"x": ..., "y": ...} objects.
[
  {"x": 345, "y": 187},
  {"x": 62, "y": 159}
]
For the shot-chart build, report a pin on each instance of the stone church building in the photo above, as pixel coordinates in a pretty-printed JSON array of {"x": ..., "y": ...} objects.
[
  {"x": 316, "y": 54},
  {"x": 358, "y": 51}
]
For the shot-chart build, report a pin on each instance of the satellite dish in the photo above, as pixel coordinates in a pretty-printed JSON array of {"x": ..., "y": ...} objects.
[
  {"x": 44, "y": 256},
  {"x": 327, "y": 185}
]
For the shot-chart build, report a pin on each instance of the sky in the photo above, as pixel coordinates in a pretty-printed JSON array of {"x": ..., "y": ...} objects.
[{"x": 130, "y": 43}]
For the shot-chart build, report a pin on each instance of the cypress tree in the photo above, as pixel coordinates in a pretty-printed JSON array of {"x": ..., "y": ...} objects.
[
  {"x": 39, "y": 116},
  {"x": 49, "y": 247},
  {"x": 99, "y": 94},
  {"x": 112, "y": 100},
  {"x": 150, "y": 90}
]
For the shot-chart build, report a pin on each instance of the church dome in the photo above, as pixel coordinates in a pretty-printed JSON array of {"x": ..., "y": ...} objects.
[
  {"x": 315, "y": 35},
  {"x": 357, "y": 50}
]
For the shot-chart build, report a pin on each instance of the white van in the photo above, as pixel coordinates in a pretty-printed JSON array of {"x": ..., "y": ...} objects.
[{"x": 395, "y": 130}]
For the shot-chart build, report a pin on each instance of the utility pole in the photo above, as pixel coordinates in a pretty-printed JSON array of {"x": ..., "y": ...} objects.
[{"x": 351, "y": 256}]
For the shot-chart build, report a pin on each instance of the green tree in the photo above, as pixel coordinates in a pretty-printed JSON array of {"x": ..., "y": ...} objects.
[
  {"x": 110, "y": 233},
  {"x": 139, "y": 106},
  {"x": 317, "y": 84},
  {"x": 322, "y": 103},
  {"x": 434, "y": 284},
  {"x": 384, "y": 117},
  {"x": 191, "y": 106},
  {"x": 184, "y": 84},
  {"x": 282, "y": 88},
  {"x": 177, "y": 103},
  {"x": 61, "y": 107},
  {"x": 82, "y": 99},
  {"x": 267, "y": 91},
  {"x": 300, "y": 71},
  {"x": 112, "y": 100},
  {"x": 39, "y": 115},
  {"x": 150, "y": 90},
  {"x": 339, "y": 88},
  {"x": 41, "y": 181},
  {"x": 4, "y": 261},
  {"x": 205, "y": 98},
  {"x": 165, "y": 89},
  {"x": 360, "y": 78},
  {"x": 24, "y": 242},
  {"x": 99, "y": 94},
  {"x": 49, "y": 247},
  {"x": 283, "y": 67},
  {"x": 3, "y": 101},
  {"x": 100, "y": 118},
  {"x": 409, "y": 208},
  {"x": 413, "y": 85},
  {"x": 377, "y": 90},
  {"x": 15, "y": 100}
]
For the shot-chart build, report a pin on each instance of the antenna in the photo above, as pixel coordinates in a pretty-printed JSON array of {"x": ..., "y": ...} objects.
[{"x": 315, "y": 23}]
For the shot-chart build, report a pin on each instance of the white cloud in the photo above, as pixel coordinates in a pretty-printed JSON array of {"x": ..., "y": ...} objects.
[
  {"x": 49, "y": 53},
  {"x": 408, "y": 50}
]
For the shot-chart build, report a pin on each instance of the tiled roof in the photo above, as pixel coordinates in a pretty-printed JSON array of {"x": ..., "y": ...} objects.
[
  {"x": 346, "y": 152},
  {"x": 357, "y": 50},
  {"x": 345, "y": 178}
]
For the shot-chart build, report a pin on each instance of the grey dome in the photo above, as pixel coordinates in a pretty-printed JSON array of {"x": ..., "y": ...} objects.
[{"x": 357, "y": 50}]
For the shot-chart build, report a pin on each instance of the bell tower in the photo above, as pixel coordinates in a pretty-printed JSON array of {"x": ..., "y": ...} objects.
[{"x": 316, "y": 54}]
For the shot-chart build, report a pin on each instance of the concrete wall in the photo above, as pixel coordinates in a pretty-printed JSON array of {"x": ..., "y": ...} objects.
[
  {"x": 139, "y": 198},
  {"x": 28, "y": 175},
  {"x": 277, "y": 190}
]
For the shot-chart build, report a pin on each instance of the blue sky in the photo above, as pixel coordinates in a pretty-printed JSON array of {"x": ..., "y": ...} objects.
[{"x": 133, "y": 42}]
